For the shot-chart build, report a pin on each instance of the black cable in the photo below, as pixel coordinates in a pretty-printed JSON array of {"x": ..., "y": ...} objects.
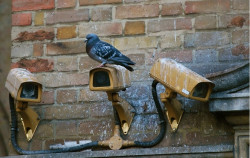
[
  {"x": 27, "y": 152},
  {"x": 161, "y": 118}
]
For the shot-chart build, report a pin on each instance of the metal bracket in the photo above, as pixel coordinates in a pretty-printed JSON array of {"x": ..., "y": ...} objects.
[
  {"x": 174, "y": 112},
  {"x": 116, "y": 142},
  {"x": 124, "y": 110},
  {"x": 29, "y": 119}
]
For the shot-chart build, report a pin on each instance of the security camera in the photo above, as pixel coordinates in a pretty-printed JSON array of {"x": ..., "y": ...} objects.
[
  {"x": 24, "y": 87},
  {"x": 110, "y": 79},
  {"x": 182, "y": 80},
  {"x": 177, "y": 78},
  {"x": 113, "y": 79}
]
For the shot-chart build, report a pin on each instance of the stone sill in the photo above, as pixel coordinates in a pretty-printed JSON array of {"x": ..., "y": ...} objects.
[{"x": 189, "y": 151}]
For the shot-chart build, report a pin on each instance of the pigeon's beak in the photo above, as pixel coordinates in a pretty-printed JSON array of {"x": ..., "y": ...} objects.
[{"x": 85, "y": 40}]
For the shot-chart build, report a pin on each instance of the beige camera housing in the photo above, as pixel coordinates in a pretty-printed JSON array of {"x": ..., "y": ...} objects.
[
  {"x": 176, "y": 78},
  {"x": 182, "y": 80},
  {"x": 110, "y": 79},
  {"x": 113, "y": 79},
  {"x": 24, "y": 87},
  {"x": 17, "y": 79}
]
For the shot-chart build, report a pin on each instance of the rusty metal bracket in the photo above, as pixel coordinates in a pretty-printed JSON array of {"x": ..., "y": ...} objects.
[
  {"x": 124, "y": 110},
  {"x": 29, "y": 119},
  {"x": 174, "y": 112}
]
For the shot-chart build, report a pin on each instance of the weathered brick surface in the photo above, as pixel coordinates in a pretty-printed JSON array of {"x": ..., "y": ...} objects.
[
  {"x": 63, "y": 79},
  {"x": 35, "y": 65},
  {"x": 21, "y": 19},
  {"x": 240, "y": 36},
  {"x": 169, "y": 24},
  {"x": 21, "y": 50},
  {"x": 232, "y": 20},
  {"x": 171, "y": 9},
  {"x": 66, "y": 16},
  {"x": 180, "y": 56},
  {"x": 66, "y": 63},
  {"x": 40, "y": 35},
  {"x": 207, "y": 6},
  {"x": 241, "y": 4},
  {"x": 63, "y": 112},
  {"x": 66, "y": 32},
  {"x": 20, "y": 5},
  {"x": 65, "y": 128},
  {"x": 101, "y": 14},
  {"x": 63, "y": 48},
  {"x": 205, "y": 22},
  {"x": 105, "y": 29},
  {"x": 66, "y": 3},
  {"x": 171, "y": 40},
  {"x": 135, "y": 42},
  {"x": 136, "y": 11},
  {"x": 86, "y": 63},
  {"x": 66, "y": 96},
  {"x": 87, "y": 95},
  {"x": 37, "y": 49},
  {"x": 134, "y": 28},
  {"x": 96, "y": 2}
]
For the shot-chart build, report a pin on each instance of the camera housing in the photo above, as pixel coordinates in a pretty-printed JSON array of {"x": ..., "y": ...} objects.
[
  {"x": 23, "y": 85},
  {"x": 110, "y": 79},
  {"x": 182, "y": 80}
]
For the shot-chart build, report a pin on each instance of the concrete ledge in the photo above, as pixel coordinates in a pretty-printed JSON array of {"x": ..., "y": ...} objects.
[{"x": 197, "y": 151}]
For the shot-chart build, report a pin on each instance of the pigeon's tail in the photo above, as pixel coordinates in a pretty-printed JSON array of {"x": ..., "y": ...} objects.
[{"x": 124, "y": 61}]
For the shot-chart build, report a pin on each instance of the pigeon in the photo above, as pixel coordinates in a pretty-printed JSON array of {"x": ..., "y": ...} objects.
[{"x": 105, "y": 53}]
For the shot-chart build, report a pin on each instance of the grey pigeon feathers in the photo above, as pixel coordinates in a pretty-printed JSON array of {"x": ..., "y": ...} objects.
[{"x": 105, "y": 53}]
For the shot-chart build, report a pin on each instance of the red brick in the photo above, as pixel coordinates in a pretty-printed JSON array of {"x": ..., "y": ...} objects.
[
  {"x": 180, "y": 56},
  {"x": 238, "y": 21},
  {"x": 171, "y": 9},
  {"x": 66, "y": 112},
  {"x": 63, "y": 79},
  {"x": 20, "y": 5},
  {"x": 205, "y": 22},
  {"x": 66, "y": 16},
  {"x": 63, "y": 48},
  {"x": 207, "y": 6},
  {"x": 232, "y": 20},
  {"x": 35, "y": 65},
  {"x": 44, "y": 130},
  {"x": 21, "y": 19},
  {"x": 105, "y": 29},
  {"x": 101, "y": 14},
  {"x": 66, "y": 3},
  {"x": 37, "y": 49},
  {"x": 169, "y": 24},
  {"x": 134, "y": 28},
  {"x": 65, "y": 128},
  {"x": 137, "y": 11},
  {"x": 96, "y": 2},
  {"x": 66, "y": 96},
  {"x": 39, "y": 35}
]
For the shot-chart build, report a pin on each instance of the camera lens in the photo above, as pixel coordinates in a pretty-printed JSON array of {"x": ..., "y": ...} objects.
[
  {"x": 101, "y": 79},
  {"x": 201, "y": 90},
  {"x": 29, "y": 91}
]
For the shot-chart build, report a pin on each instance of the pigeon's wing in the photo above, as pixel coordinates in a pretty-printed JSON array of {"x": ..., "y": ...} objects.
[{"x": 111, "y": 54}]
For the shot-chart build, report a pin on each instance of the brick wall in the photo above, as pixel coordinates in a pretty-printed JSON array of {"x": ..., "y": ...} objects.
[{"x": 47, "y": 39}]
